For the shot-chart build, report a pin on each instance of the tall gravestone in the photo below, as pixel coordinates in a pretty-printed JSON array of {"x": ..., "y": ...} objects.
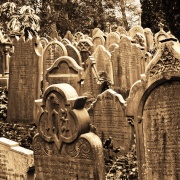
[
  {"x": 65, "y": 148},
  {"x": 108, "y": 116},
  {"x": 154, "y": 104},
  {"x": 24, "y": 81},
  {"x": 128, "y": 64},
  {"x": 65, "y": 70},
  {"x": 103, "y": 62},
  {"x": 52, "y": 51},
  {"x": 91, "y": 86}
]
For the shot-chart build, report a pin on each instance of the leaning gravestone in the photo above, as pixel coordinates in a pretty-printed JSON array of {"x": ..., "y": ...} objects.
[
  {"x": 154, "y": 104},
  {"x": 52, "y": 51},
  {"x": 65, "y": 70},
  {"x": 64, "y": 148},
  {"x": 24, "y": 81},
  {"x": 108, "y": 116}
]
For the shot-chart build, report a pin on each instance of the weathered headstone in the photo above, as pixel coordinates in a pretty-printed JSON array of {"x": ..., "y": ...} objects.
[
  {"x": 74, "y": 53},
  {"x": 78, "y": 36},
  {"x": 24, "y": 81},
  {"x": 65, "y": 70},
  {"x": 149, "y": 39},
  {"x": 15, "y": 161},
  {"x": 97, "y": 31},
  {"x": 103, "y": 62},
  {"x": 64, "y": 147},
  {"x": 91, "y": 86},
  {"x": 85, "y": 48},
  {"x": 122, "y": 31},
  {"x": 52, "y": 51},
  {"x": 154, "y": 103},
  {"x": 128, "y": 64},
  {"x": 44, "y": 41},
  {"x": 65, "y": 41},
  {"x": 134, "y": 30},
  {"x": 112, "y": 37},
  {"x": 98, "y": 40},
  {"x": 108, "y": 116},
  {"x": 69, "y": 36}
]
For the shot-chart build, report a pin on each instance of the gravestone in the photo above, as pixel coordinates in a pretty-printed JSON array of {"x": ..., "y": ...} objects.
[
  {"x": 78, "y": 36},
  {"x": 128, "y": 64},
  {"x": 91, "y": 86},
  {"x": 65, "y": 70},
  {"x": 44, "y": 41},
  {"x": 24, "y": 81},
  {"x": 98, "y": 40},
  {"x": 65, "y": 41},
  {"x": 134, "y": 30},
  {"x": 112, "y": 37},
  {"x": 122, "y": 31},
  {"x": 154, "y": 103},
  {"x": 97, "y": 31},
  {"x": 69, "y": 36},
  {"x": 160, "y": 36},
  {"x": 85, "y": 48},
  {"x": 15, "y": 161},
  {"x": 74, "y": 53},
  {"x": 52, "y": 51},
  {"x": 149, "y": 39},
  {"x": 103, "y": 62},
  {"x": 108, "y": 116},
  {"x": 65, "y": 148}
]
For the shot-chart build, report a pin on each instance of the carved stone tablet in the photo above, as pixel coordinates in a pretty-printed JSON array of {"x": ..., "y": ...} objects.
[
  {"x": 154, "y": 103},
  {"x": 24, "y": 81},
  {"x": 74, "y": 53},
  {"x": 64, "y": 148},
  {"x": 161, "y": 126},
  {"x": 52, "y": 51},
  {"x": 65, "y": 70},
  {"x": 108, "y": 116}
]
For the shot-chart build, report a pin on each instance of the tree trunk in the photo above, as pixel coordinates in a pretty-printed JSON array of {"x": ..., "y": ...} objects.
[{"x": 124, "y": 19}]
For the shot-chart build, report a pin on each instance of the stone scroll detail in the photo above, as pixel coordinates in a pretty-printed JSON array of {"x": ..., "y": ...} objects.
[{"x": 166, "y": 63}]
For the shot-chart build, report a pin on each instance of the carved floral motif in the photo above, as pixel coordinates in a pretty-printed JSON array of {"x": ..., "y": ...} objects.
[{"x": 166, "y": 63}]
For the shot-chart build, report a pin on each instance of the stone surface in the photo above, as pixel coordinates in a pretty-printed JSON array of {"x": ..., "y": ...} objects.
[
  {"x": 64, "y": 147},
  {"x": 24, "y": 81},
  {"x": 52, "y": 51},
  {"x": 65, "y": 70},
  {"x": 15, "y": 161},
  {"x": 103, "y": 63},
  {"x": 85, "y": 48},
  {"x": 91, "y": 86},
  {"x": 128, "y": 64},
  {"x": 74, "y": 53},
  {"x": 154, "y": 105},
  {"x": 98, "y": 40},
  {"x": 108, "y": 116},
  {"x": 112, "y": 37}
]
